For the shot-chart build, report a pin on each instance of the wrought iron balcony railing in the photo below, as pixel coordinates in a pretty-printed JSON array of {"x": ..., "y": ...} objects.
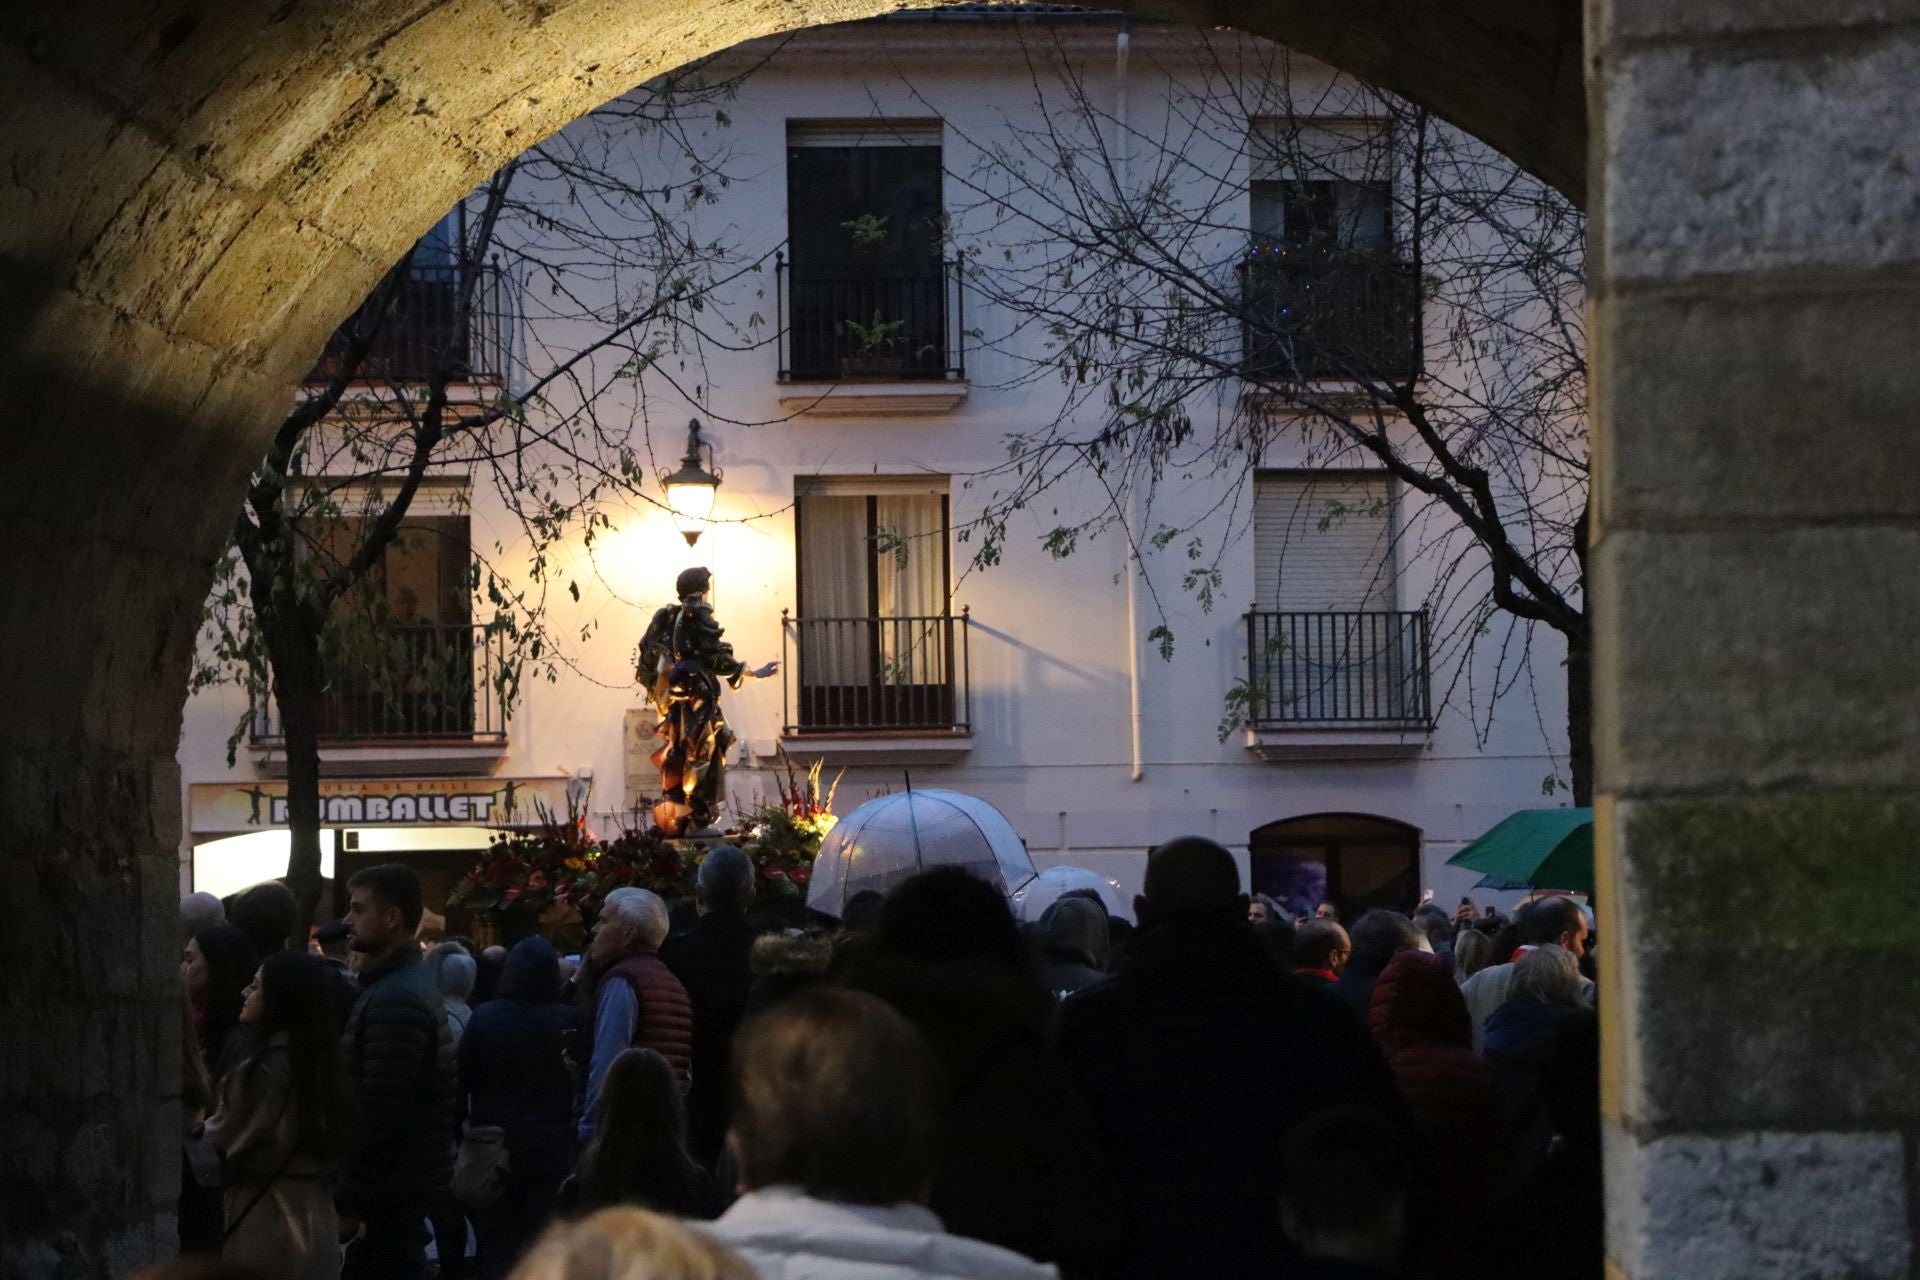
[
  {"x": 409, "y": 683},
  {"x": 847, "y": 321},
  {"x": 1319, "y": 314},
  {"x": 424, "y": 335},
  {"x": 877, "y": 674},
  {"x": 1312, "y": 670}
]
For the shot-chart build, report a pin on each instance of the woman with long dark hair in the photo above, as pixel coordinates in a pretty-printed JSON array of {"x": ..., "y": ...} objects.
[
  {"x": 638, "y": 1155},
  {"x": 215, "y": 967},
  {"x": 286, "y": 1117}
]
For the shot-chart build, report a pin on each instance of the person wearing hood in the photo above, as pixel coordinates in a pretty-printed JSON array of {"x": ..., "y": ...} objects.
[
  {"x": 837, "y": 1134},
  {"x": 1073, "y": 945},
  {"x": 1421, "y": 1022},
  {"x": 1544, "y": 994},
  {"x": 513, "y": 1074}
]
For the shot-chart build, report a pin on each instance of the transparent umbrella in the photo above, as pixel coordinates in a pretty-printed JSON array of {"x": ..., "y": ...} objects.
[
  {"x": 1031, "y": 901},
  {"x": 886, "y": 840}
]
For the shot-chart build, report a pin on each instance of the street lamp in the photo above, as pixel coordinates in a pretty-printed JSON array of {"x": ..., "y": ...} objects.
[{"x": 690, "y": 490}]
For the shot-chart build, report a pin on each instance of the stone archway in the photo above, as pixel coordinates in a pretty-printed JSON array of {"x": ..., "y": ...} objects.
[{"x": 179, "y": 178}]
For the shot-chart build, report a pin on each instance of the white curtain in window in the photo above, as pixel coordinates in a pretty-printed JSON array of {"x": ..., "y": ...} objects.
[
  {"x": 910, "y": 554},
  {"x": 834, "y": 556}
]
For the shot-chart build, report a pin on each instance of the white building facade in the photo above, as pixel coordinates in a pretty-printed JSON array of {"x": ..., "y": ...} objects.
[{"x": 858, "y": 452}]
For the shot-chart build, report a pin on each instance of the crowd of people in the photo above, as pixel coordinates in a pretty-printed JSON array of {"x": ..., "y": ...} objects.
[{"x": 923, "y": 1089}]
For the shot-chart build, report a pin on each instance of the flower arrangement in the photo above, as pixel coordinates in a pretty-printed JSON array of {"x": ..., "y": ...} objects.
[
  {"x": 783, "y": 838},
  {"x": 564, "y": 863}
]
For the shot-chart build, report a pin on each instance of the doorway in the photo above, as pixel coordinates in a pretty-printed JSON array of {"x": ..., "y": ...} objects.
[{"x": 1354, "y": 860}]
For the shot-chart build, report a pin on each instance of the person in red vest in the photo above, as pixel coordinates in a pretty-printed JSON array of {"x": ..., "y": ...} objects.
[{"x": 637, "y": 1002}]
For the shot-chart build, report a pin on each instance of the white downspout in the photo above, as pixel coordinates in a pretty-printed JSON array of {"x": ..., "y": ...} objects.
[{"x": 1123, "y": 148}]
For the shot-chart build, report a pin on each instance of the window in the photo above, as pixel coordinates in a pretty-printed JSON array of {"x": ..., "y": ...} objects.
[
  {"x": 1325, "y": 641},
  {"x": 876, "y": 632},
  {"x": 1327, "y": 295},
  {"x": 404, "y": 657},
  {"x": 866, "y": 288}
]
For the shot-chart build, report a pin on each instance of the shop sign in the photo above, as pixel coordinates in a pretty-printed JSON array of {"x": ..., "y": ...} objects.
[{"x": 381, "y": 802}]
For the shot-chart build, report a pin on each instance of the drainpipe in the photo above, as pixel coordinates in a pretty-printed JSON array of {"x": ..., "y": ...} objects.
[{"x": 1123, "y": 148}]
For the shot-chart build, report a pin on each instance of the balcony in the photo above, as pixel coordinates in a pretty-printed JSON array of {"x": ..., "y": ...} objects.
[
  {"x": 870, "y": 340},
  {"x": 894, "y": 689},
  {"x": 423, "y": 335},
  {"x": 414, "y": 694},
  {"x": 1337, "y": 684},
  {"x": 1311, "y": 315}
]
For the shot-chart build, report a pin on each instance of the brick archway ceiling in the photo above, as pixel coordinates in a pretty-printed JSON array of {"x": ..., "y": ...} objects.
[{"x": 196, "y": 194}]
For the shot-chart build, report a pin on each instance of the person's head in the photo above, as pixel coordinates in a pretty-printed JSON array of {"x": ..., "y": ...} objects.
[
  {"x": 1555, "y": 920},
  {"x": 625, "y": 1243},
  {"x": 1321, "y": 944},
  {"x": 200, "y": 911},
  {"x": 1076, "y": 930},
  {"x": 215, "y": 967},
  {"x": 457, "y": 976},
  {"x": 1326, "y": 911},
  {"x": 1381, "y": 934},
  {"x": 265, "y": 913},
  {"x": 862, "y": 910},
  {"x": 1432, "y": 920},
  {"x": 1261, "y": 908},
  {"x": 292, "y": 997},
  {"x": 724, "y": 881},
  {"x": 436, "y": 956},
  {"x": 638, "y": 1154},
  {"x": 947, "y": 915},
  {"x": 692, "y": 583},
  {"x": 1344, "y": 1185},
  {"x": 1472, "y": 952},
  {"x": 330, "y": 939},
  {"x": 383, "y": 909},
  {"x": 531, "y": 971},
  {"x": 835, "y": 1093},
  {"x": 1548, "y": 974},
  {"x": 632, "y": 921},
  {"x": 1186, "y": 876},
  {"x": 1277, "y": 935}
]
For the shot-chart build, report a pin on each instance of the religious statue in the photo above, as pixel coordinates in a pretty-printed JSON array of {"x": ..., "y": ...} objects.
[{"x": 682, "y": 662}]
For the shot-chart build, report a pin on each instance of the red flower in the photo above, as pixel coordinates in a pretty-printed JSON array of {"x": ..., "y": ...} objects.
[
  {"x": 801, "y": 875},
  {"x": 774, "y": 873}
]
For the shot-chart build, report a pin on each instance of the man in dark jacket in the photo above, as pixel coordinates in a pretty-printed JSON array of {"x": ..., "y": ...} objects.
[
  {"x": 711, "y": 961},
  {"x": 401, "y": 1058},
  {"x": 1378, "y": 936},
  {"x": 1199, "y": 1057},
  {"x": 636, "y": 1002}
]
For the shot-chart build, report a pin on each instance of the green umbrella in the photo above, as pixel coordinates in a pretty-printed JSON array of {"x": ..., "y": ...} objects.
[{"x": 1544, "y": 848}]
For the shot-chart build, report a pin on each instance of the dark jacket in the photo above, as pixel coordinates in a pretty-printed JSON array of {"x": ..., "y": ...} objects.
[
  {"x": 513, "y": 1072},
  {"x": 711, "y": 961},
  {"x": 1516, "y": 1039},
  {"x": 1200, "y": 1056},
  {"x": 401, "y": 1058},
  {"x": 665, "y": 1021},
  {"x": 1023, "y": 1166},
  {"x": 1355, "y": 986}
]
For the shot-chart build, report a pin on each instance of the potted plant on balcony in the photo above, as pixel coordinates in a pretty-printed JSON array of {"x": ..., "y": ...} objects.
[{"x": 878, "y": 348}]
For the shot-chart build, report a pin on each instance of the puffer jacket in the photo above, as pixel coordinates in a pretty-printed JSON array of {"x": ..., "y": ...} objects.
[
  {"x": 665, "y": 1022},
  {"x": 400, "y": 1055},
  {"x": 787, "y": 1235},
  {"x": 1421, "y": 1022}
]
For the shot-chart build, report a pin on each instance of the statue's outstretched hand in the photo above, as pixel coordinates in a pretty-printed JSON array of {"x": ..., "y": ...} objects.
[{"x": 764, "y": 670}]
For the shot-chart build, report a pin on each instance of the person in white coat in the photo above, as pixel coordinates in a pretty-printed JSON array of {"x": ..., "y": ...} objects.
[{"x": 836, "y": 1135}]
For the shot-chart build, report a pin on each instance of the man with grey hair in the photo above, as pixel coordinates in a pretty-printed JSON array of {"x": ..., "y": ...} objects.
[
  {"x": 637, "y": 1001},
  {"x": 712, "y": 960}
]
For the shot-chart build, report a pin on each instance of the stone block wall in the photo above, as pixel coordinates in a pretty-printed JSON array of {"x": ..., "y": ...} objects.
[{"x": 1756, "y": 254}]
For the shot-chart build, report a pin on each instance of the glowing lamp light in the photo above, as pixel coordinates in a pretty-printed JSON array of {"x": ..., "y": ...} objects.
[{"x": 690, "y": 490}]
